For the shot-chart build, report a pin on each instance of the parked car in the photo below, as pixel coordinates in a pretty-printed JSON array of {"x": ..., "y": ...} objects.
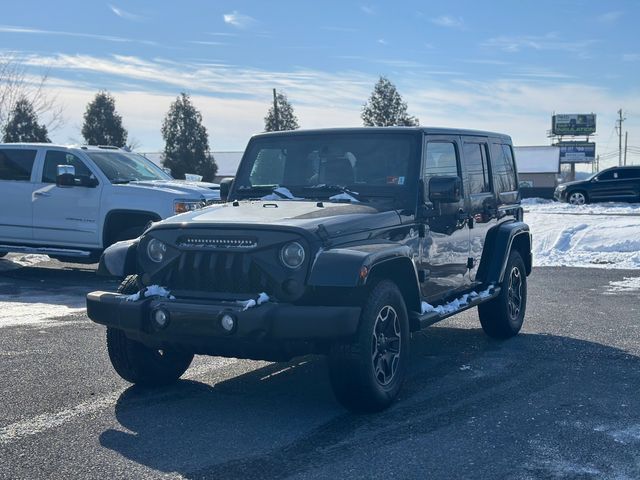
[
  {"x": 72, "y": 202},
  {"x": 612, "y": 184},
  {"x": 340, "y": 242}
]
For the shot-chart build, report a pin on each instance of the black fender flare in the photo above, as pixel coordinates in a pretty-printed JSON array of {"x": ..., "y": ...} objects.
[
  {"x": 499, "y": 242},
  {"x": 119, "y": 260},
  {"x": 355, "y": 266}
]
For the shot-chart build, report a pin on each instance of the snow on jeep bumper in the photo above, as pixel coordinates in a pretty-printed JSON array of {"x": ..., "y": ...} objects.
[{"x": 199, "y": 320}]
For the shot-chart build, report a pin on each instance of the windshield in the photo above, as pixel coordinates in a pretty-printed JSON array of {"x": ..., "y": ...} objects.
[
  {"x": 358, "y": 162},
  {"x": 124, "y": 167}
]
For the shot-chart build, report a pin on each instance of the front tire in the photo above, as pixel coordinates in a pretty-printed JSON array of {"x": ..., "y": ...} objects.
[
  {"x": 137, "y": 363},
  {"x": 367, "y": 374},
  {"x": 577, "y": 198},
  {"x": 503, "y": 316}
]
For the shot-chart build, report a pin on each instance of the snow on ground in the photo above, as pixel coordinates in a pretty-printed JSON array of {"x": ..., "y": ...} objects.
[
  {"x": 629, "y": 284},
  {"x": 34, "y": 307},
  {"x": 14, "y": 262},
  {"x": 605, "y": 235}
]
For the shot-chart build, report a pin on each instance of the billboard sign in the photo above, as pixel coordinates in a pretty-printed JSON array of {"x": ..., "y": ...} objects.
[
  {"x": 577, "y": 152},
  {"x": 573, "y": 124}
]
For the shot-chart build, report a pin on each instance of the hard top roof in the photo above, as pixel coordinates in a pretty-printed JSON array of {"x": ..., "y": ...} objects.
[{"x": 424, "y": 130}]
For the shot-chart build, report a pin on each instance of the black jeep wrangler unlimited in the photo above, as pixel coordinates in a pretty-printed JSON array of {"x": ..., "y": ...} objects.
[{"x": 340, "y": 242}]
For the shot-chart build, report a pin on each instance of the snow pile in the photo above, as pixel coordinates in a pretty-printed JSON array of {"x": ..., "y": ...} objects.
[
  {"x": 600, "y": 235},
  {"x": 458, "y": 303},
  {"x": 151, "y": 291},
  {"x": 345, "y": 197},
  {"x": 629, "y": 284},
  {"x": 13, "y": 262},
  {"x": 247, "y": 304},
  {"x": 280, "y": 193}
]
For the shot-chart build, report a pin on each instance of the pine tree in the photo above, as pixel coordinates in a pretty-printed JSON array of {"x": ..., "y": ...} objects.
[
  {"x": 385, "y": 107},
  {"x": 23, "y": 126},
  {"x": 286, "y": 119},
  {"x": 186, "y": 141},
  {"x": 102, "y": 125}
]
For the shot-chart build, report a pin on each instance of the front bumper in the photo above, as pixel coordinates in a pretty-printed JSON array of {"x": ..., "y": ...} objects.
[
  {"x": 197, "y": 322},
  {"x": 560, "y": 195}
]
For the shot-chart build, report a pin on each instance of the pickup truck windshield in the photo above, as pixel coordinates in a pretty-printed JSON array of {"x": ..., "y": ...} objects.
[
  {"x": 123, "y": 167},
  {"x": 377, "y": 163}
]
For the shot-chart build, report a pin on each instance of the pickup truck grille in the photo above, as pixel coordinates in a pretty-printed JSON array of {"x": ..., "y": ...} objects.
[{"x": 233, "y": 272}]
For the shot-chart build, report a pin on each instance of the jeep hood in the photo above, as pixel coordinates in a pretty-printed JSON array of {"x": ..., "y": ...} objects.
[
  {"x": 183, "y": 189},
  {"x": 336, "y": 218}
]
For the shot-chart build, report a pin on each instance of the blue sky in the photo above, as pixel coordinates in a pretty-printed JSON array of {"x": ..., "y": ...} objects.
[{"x": 504, "y": 66}]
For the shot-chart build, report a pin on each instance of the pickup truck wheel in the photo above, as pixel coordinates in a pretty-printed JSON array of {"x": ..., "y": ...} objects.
[
  {"x": 367, "y": 374},
  {"x": 503, "y": 316},
  {"x": 137, "y": 363}
]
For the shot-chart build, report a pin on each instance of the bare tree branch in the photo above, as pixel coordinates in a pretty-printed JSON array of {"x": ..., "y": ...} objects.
[{"x": 15, "y": 83}]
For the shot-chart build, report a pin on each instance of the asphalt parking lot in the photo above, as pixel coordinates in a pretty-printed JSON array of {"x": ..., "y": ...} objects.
[{"x": 559, "y": 401}]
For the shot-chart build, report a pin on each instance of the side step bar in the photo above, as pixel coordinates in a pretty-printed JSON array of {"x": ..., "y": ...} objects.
[
  {"x": 426, "y": 319},
  {"x": 61, "y": 252}
]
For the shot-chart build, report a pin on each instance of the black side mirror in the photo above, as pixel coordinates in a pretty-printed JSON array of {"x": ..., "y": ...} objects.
[
  {"x": 225, "y": 186},
  {"x": 66, "y": 176},
  {"x": 445, "y": 189}
]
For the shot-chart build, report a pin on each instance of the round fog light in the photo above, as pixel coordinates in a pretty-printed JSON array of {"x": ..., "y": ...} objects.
[
  {"x": 160, "y": 319},
  {"x": 227, "y": 322}
]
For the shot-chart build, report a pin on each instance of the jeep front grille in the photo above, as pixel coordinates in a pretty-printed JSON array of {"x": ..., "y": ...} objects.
[{"x": 225, "y": 271}]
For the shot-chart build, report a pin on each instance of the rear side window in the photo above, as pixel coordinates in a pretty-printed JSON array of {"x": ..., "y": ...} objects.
[
  {"x": 475, "y": 159},
  {"x": 610, "y": 175},
  {"x": 57, "y": 157},
  {"x": 16, "y": 164},
  {"x": 502, "y": 168},
  {"x": 630, "y": 173}
]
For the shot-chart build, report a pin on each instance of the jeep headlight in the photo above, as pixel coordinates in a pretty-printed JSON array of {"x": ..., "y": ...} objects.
[
  {"x": 561, "y": 187},
  {"x": 156, "y": 250},
  {"x": 182, "y": 206},
  {"x": 292, "y": 255}
]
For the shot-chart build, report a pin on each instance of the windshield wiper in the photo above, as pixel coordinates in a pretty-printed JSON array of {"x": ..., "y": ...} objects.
[
  {"x": 345, "y": 193},
  {"x": 120, "y": 181}
]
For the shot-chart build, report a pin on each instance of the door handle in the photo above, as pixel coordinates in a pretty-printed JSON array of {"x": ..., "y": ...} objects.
[{"x": 41, "y": 194}]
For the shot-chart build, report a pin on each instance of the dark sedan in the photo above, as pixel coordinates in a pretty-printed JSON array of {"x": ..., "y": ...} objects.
[{"x": 612, "y": 184}]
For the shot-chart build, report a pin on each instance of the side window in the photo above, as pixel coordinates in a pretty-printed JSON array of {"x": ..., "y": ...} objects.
[
  {"x": 441, "y": 160},
  {"x": 475, "y": 160},
  {"x": 16, "y": 164},
  {"x": 268, "y": 168},
  {"x": 58, "y": 157},
  {"x": 630, "y": 173},
  {"x": 610, "y": 175},
  {"x": 502, "y": 168}
]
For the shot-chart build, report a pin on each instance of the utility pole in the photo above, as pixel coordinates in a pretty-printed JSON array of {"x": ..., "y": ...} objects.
[
  {"x": 619, "y": 122},
  {"x": 275, "y": 111},
  {"x": 626, "y": 138}
]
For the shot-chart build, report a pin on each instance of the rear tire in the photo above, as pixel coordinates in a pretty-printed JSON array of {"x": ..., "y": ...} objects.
[
  {"x": 503, "y": 316},
  {"x": 137, "y": 363},
  {"x": 367, "y": 374}
]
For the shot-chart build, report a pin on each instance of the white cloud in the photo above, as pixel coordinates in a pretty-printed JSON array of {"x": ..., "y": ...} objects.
[
  {"x": 38, "y": 31},
  {"x": 382, "y": 41},
  {"x": 610, "y": 17},
  {"x": 124, "y": 14},
  {"x": 448, "y": 21},
  {"x": 550, "y": 41},
  {"x": 631, "y": 57},
  {"x": 238, "y": 19},
  {"x": 369, "y": 10},
  {"x": 234, "y": 100}
]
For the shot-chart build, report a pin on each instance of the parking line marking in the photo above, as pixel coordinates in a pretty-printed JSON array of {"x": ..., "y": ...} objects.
[{"x": 47, "y": 421}]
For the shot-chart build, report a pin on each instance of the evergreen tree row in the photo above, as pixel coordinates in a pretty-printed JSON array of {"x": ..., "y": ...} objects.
[{"x": 186, "y": 140}]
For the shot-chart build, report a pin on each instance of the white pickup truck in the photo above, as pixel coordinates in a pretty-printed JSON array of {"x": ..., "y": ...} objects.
[{"x": 72, "y": 202}]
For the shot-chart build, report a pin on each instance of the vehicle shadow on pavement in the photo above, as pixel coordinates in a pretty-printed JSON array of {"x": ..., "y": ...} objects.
[{"x": 543, "y": 404}]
